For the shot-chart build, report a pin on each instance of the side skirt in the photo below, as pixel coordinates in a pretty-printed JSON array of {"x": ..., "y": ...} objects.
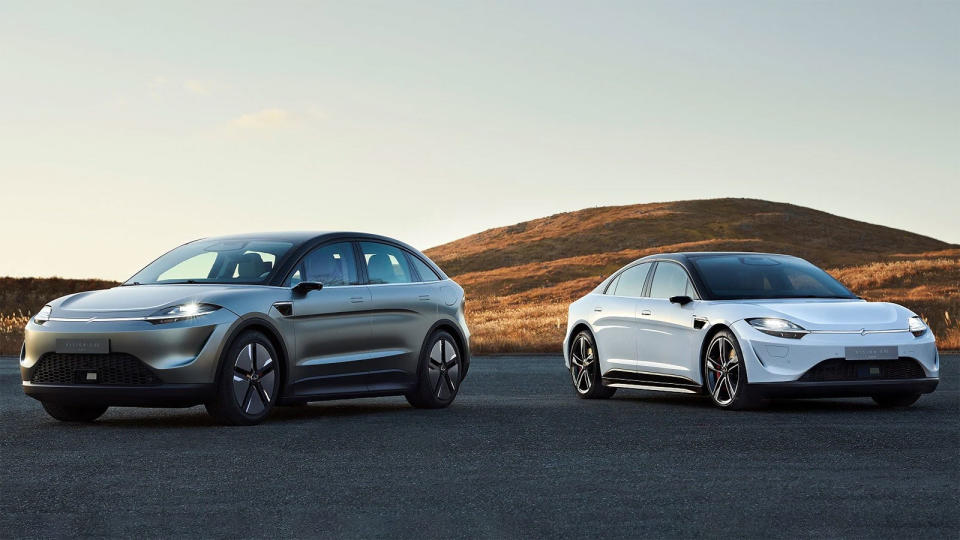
[{"x": 640, "y": 380}]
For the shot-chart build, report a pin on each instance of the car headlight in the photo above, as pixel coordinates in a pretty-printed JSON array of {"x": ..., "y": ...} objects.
[
  {"x": 778, "y": 327},
  {"x": 917, "y": 326},
  {"x": 181, "y": 312},
  {"x": 43, "y": 315}
]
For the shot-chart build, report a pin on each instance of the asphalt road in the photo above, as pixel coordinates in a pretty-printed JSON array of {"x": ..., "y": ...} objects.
[{"x": 517, "y": 455}]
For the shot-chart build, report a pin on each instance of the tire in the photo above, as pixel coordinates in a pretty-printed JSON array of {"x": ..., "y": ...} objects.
[
  {"x": 724, "y": 374},
  {"x": 585, "y": 368},
  {"x": 73, "y": 413},
  {"x": 248, "y": 381},
  {"x": 896, "y": 400},
  {"x": 439, "y": 374}
]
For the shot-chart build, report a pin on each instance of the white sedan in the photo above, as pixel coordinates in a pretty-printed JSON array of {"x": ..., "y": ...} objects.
[{"x": 742, "y": 327}]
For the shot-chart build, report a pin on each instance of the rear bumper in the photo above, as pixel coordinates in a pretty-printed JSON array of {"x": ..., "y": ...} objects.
[
  {"x": 797, "y": 389},
  {"x": 164, "y": 395}
]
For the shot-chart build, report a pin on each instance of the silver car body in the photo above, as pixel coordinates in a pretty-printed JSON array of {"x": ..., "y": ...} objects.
[{"x": 339, "y": 341}]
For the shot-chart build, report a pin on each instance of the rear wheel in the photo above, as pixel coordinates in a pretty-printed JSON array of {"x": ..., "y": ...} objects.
[
  {"x": 440, "y": 372},
  {"x": 724, "y": 375},
  {"x": 73, "y": 413},
  {"x": 248, "y": 381},
  {"x": 896, "y": 400},
  {"x": 585, "y": 368}
]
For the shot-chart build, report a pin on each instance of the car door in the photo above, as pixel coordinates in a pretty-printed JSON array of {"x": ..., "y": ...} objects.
[
  {"x": 331, "y": 325},
  {"x": 404, "y": 309},
  {"x": 615, "y": 321},
  {"x": 666, "y": 328}
]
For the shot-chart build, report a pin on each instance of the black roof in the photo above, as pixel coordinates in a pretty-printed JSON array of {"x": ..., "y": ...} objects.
[
  {"x": 684, "y": 256},
  {"x": 299, "y": 237}
]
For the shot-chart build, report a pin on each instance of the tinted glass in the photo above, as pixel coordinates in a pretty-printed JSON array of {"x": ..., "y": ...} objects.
[
  {"x": 332, "y": 264},
  {"x": 630, "y": 282},
  {"x": 612, "y": 286},
  {"x": 385, "y": 264},
  {"x": 732, "y": 277},
  {"x": 670, "y": 279},
  {"x": 215, "y": 261},
  {"x": 426, "y": 273}
]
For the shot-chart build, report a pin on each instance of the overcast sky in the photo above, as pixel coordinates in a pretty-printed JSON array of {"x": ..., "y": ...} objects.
[{"x": 129, "y": 128}]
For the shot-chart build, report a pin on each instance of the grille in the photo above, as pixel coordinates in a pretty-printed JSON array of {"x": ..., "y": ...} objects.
[
  {"x": 838, "y": 369},
  {"x": 118, "y": 369}
]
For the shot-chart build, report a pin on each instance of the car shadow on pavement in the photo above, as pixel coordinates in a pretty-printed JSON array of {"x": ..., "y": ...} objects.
[
  {"x": 701, "y": 402},
  {"x": 197, "y": 416}
]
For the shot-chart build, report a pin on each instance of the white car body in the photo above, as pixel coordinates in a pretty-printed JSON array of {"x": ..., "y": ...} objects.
[{"x": 653, "y": 343}]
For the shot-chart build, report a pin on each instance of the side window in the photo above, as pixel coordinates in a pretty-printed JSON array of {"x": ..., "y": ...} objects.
[
  {"x": 612, "y": 286},
  {"x": 630, "y": 282},
  {"x": 670, "y": 279},
  {"x": 332, "y": 264},
  {"x": 385, "y": 264},
  {"x": 426, "y": 273}
]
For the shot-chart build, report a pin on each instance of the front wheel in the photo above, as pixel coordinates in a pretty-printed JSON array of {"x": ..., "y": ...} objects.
[
  {"x": 724, "y": 375},
  {"x": 585, "y": 368},
  {"x": 896, "y": 400},
  {"x": 72, "y": 413},
  {"x": 441, "y": 369},
  {"x": 248, "y": 381}
]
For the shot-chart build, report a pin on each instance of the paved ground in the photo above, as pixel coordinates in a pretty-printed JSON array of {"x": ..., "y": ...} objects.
[{"x": 516, "y": 456}]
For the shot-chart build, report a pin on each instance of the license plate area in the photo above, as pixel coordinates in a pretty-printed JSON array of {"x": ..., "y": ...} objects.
[
  {"x": 83, "y": 346},
  {"x": 881, "y": 352}
]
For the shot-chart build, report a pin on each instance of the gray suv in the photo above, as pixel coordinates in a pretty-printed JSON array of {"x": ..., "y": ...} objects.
[{"x": 243, "y": 323}]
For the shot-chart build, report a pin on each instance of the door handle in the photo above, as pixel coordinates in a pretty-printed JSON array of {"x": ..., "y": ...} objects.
[
  {"x": 598, "y": 309},
  {"x": 646, "y": 313},
  {"x": 424, "y": 297},
  {"x": 356, "y": 299}
]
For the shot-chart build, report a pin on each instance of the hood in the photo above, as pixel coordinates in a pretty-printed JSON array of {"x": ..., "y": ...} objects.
[
  {"x": 135, "y": 301},
  {"x": 838, "y": 314}
]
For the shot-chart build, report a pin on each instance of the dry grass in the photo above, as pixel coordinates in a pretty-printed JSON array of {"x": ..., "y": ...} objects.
[
  {"x": 535, "y": 320},
  {"x": 22, "y": 297},
  {"x": 520, "y": 279},
  {"x": 11, "y": 332}
]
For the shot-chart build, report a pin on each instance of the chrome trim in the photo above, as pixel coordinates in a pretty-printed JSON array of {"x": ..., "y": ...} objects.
[
  {"x": 94, "y": 319},
  {"x": 171, "y": 318},
  {"x": 647, "y": 387}
]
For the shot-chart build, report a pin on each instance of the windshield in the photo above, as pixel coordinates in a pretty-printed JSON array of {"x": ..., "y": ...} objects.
[
  {"x": 737, "y": 277},
  {"x": 214, "y": 261}
]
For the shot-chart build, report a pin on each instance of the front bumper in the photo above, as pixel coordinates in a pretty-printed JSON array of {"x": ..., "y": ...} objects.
[
  {"x": 182, "y": 358},
  {"x": 776, "y": 365},
  {"x": 824, "y": 389},
  {"x": 163, "y": 395}
]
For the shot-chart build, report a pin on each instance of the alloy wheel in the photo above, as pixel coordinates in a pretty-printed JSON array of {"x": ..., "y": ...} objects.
[
  {"x": 254, "y": 374},
  {"x": 723, "y": 371},
  {"x": 444, "y": 369},
  {"x": 581, "y": 364}
]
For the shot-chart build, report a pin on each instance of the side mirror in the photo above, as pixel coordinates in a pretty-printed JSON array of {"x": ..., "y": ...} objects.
[
  {"x": 682, "y": 300},
  {"x": 302, "y": 288}
]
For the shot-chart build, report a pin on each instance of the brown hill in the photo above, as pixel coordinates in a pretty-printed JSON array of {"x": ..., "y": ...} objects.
[{"x": 519, "y": 279}]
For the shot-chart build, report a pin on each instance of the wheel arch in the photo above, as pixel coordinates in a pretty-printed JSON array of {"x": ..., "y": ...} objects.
[
  {"x": 713, "y": 331},
  {"x": 265, "y": 327},
  {"x": 453, "y": 329},
  {"x": 579, "y": 326}
]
